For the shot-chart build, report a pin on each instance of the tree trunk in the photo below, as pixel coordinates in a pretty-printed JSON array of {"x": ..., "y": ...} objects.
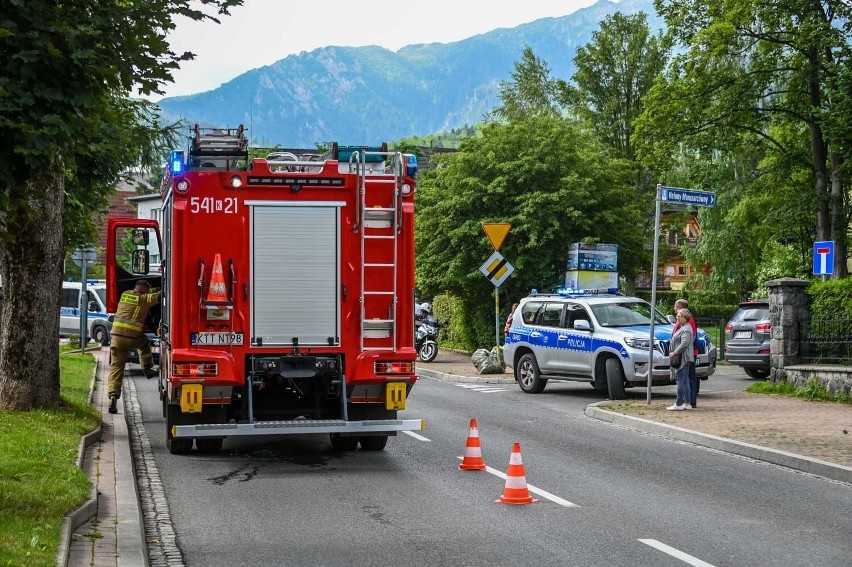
[
  {"x": 31, "y": 269},
  {"x": 838, "y": 216},
  {"x": 821, "y": 191}
]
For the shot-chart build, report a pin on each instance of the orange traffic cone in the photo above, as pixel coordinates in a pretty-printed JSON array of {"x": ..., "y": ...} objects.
[
  {"x": 516, "y": 491},
  {"x": 217, "y": 293},
  {"x": 472, "y": 451}
]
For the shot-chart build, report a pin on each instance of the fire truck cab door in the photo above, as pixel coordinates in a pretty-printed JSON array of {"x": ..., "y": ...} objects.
[
  {"x": 133, "y": 253},
  {"x": 295, "y": 273}
]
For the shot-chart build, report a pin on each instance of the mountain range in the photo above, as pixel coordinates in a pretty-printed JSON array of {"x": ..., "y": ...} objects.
[{"x": 366, "y": 95}]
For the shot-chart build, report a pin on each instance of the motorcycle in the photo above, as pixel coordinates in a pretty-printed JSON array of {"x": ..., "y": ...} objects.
[{"x": 426, "y": 340}]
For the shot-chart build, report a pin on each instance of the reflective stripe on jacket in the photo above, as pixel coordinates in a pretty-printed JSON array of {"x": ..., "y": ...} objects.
[{"x": 131, "y": 313}]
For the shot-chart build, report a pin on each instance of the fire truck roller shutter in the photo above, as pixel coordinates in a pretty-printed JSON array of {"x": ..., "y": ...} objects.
[{"x": 295, "y": 272}]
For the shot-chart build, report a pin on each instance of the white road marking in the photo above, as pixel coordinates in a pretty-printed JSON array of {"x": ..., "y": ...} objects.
[
  {"x": 676, "y": 553},
  {"x": 482, "y": 389},
  {"x": 533, "y": 489},
  {"x": 417, "y": 436}
]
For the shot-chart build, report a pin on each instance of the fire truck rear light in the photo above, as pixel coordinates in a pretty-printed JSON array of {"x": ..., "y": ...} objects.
[
  {"x": 176, "y": 162},
  {"x": 388, "y": 367},
  {"x": 195, "y": 369},
  {"x": 236, "y": 181},
  {"x": 406, "y": 189},
  {"x": 182, "y": 186}
]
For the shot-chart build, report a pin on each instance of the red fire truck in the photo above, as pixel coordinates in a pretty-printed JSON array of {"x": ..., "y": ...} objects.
[{"x": 287, "y": 292}]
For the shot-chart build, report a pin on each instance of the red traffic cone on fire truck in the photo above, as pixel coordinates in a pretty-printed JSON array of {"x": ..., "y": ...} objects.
[
  {"x": 218, "y": 293},
  {"x": 516, "y": 491},
  {"x": 472, "y": 452}
]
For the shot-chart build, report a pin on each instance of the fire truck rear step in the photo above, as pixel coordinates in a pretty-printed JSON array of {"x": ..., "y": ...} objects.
[{"x": 299, "y": 427}]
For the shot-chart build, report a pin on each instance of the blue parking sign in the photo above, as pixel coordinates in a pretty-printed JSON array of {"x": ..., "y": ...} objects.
[{"x": 824, "y": 258}]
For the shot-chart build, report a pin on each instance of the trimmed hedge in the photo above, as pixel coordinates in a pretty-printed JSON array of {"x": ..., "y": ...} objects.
[
  {"x": 831, "y": 299},
  {"x": 702, "y": 304}
]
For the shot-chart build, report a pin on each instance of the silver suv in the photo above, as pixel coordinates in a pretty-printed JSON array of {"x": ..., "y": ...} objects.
[{"x": 602, "y": 339}]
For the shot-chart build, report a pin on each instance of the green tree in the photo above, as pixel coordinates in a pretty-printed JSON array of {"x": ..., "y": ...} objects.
[
  {"x": 758, "y": 210},
  {"x": 614, "y": 72},
  {"x": 762, "y": 68},
  {"x": 67, "y": 130},
  {"x": 553, "y": 181},
  {"x": 532, "y": 91}
]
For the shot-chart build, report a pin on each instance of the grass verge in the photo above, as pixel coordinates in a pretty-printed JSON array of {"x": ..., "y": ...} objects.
[
  {"x": 39, "y": 479},
  {"x": 812, "y": 391}
]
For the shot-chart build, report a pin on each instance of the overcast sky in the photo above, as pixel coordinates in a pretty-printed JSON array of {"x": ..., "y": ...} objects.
[{"x": 262, "y": 32}]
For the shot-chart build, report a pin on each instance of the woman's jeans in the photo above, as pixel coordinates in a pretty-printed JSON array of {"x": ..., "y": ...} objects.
[
  {"x": 694, "y": 385},
  {"x": 683, "y": 389}
]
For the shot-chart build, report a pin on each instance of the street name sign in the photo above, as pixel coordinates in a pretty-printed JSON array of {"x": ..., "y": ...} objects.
[{"x": 687, "y": 197}]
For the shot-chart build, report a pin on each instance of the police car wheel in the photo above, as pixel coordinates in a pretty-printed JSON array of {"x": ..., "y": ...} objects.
[
  {"x": 529, "y": 375},
  {"x": 100, "y": 335},
  {"x": 615, "y": 379}
]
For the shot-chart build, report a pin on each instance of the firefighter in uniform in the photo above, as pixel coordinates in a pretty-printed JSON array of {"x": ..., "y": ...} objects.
[{"x": 128, "y": 334}]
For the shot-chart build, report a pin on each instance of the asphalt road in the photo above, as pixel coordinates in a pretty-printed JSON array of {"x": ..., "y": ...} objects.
[{"x": 607, "y": 495}]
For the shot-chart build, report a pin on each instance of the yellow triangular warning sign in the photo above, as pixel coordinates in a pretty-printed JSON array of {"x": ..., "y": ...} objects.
[{"x": 496, "y": 232}]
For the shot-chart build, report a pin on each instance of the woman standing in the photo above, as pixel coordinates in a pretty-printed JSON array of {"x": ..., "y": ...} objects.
[{"x": 682, "y": 345}]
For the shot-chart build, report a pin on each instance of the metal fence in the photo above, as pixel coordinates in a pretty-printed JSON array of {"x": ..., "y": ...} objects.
[
  {"x": 715, "y": 327},
  {"x": 826, "y": 341}
]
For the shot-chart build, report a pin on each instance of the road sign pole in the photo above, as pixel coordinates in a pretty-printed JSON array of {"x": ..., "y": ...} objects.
[
  {"x": 654, "y": 289},
  {"x": 84, "y": 307},
  {"x": 497, "y": 315}
]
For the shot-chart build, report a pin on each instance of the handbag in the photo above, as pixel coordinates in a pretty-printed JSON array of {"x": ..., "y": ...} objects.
[{"x": 676, "y": 360}]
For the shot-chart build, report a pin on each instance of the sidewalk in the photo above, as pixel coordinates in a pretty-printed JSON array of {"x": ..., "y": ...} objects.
[
  {"x": 113, "y": 537},
  {"x": 813, "y": 437}
]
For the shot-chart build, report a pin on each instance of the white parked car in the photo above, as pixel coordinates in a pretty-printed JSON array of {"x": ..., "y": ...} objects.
[{"x": 97, "y": 319}]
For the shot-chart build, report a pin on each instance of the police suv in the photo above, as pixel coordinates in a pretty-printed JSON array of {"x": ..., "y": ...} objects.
[{"x": 600, "y": 338}]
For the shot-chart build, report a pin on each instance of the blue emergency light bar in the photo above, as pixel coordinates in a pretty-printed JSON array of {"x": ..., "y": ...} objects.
[
  {"x": 573, "y": 292},
  {"x": 587, "y": 291},
  {"x": 176, "y": 162}
]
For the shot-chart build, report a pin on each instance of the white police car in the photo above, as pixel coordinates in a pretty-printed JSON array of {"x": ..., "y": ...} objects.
[{"x": 600, "y": 338}]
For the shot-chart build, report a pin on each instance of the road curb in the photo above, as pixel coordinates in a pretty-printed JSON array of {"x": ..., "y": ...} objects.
[
  {"x": 88, "y": 509},
  {"x": 790, "y": 460},
  {"x": 483, "y": 379}
]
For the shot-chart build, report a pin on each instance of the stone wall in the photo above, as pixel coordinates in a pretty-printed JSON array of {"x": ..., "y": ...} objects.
[
  {"x": 788, "y": 305},
  {"x": 836, "y": 379}
]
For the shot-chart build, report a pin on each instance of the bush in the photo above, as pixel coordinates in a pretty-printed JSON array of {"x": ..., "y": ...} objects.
[
  {"x": 831, "y": 299},
  {"x": 469, "y": 327}
]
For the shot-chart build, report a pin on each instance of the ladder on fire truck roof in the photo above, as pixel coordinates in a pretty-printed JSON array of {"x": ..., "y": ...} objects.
[
  {"x": 378, "y": 224},
  {"x": 218, "y": 147}
]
